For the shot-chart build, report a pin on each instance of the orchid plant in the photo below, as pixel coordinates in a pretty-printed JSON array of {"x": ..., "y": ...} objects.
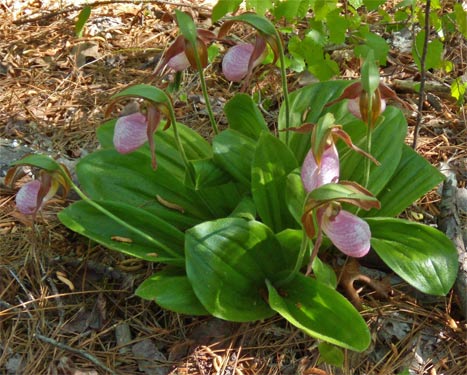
[{"x": 239, "y": 224}]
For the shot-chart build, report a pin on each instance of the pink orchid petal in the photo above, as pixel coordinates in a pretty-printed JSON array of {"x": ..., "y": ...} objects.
[
  {"x": 130, "y": 133},
  {"x": 348, "y": 233},
  {"x": 314, "y": 176},
  {"x": 353, "y": 106},
  {"x": 235, "y": 62},
  {"x": 179, "y": 62},
  {"x": 26, "y": 199}
]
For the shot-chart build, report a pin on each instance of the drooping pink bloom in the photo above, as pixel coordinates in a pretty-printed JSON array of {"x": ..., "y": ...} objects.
[
  {"x": 179, "y": 62},
  {"x": 235, "y": 62},
  {"x": 26, "y": 198},
  {"x": 349, "y": 233},
  {"x": 313, "y": 176},
  {"x": 32, "y": 196},
  {"x": 240, "y": 60},
  {"x": 130, "y": 132}
]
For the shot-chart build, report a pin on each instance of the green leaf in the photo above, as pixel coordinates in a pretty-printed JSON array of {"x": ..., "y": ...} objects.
[
  {"x": 227, "y": 261},
  {"x": 216, "y": 187},
  {"x": 291, "y": 241},
  {"x": 272, "y": 163},
  {"x": 330, "y": 354},
  {"x": 333, "y": 191},
  {"x": 373, "y": 4},
  {"x": 260, "y": 23},
  {"x": 288, "y": 9},
  {"x": 187, "y": 26},
  {"x": 223, "y": 7},
  {"x": 461, "y": 19},
  {"x": 108, "y": 175},
  {"x": 324, "y": 273},
  {"x": 295, "y": 195},
  {"x": 40, "y": 161},
  {"x": 375, "y": 43},
  {"x": 244, "y": 116},
  {"x": 245, "y": 209},
  {"x": 458, "y": 88},
  {"x": 370, "y": 74},
  {"x": 171, "y": 290},
  {"x": 83, "y": 16},
  {"x": 421, "y": 255},
  {"x": 161, "y": 241},
  {"x": 337, "y": 25},
  {"x": 234, "y": 151},
  {"x": 320, "y": 312},
  {"x": 143, "y": 91},
  {"x": 434, "y": 52},
  {"x": 387, "y": 142},
  {"x": 308, "y": 105},
  {"x": 413, "y": 177},
  {"x": 323, "y": 7},
  {"x": 259, "y": 6}
]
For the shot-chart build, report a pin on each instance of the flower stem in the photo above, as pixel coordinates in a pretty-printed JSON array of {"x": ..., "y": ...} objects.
[
  {"x": 367, "y": 161},
  {"x": 212, "y": 120},
  {"x": 284, "y": 85},
  {"x": 298, "y": 263},
  {"x": 369, "y": 133},
  {"x": 180, "y": 148}
]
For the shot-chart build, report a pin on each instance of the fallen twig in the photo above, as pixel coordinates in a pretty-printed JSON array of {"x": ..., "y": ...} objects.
[{"x": 79, "y": 352}]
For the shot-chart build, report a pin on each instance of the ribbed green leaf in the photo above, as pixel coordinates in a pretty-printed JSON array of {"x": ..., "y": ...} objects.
[
  {"x": 244, "y": 116},
  {"x": 234, "y": 151},
  {"x": 387, "y": 142},
  {"x": 413, "y": 177},
  {"x": 273, "y": 161},
  {"x": 321, "y": 312},
  {"x": 131, "y": 180},
  {"x": 171, "y": 290},
  {"x": 421, "y": 255},
  {"x": 159, "y": 242},
  {"x": 227, "y": 261}
]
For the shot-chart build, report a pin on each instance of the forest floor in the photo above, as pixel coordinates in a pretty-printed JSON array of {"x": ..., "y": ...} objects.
[{"x": 67, "y": 305}]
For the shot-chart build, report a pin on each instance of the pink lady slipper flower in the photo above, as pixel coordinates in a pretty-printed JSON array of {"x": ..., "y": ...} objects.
[
  {"x": 358, "y": 101},
  {"x": 324, "y": 214},
  {"x": 181, "y": 55},
  {"x": 33, "y": 195},
  {"x": 133, "y": 130},
  {"x": 240, "y": 60},
  {"x": 320, "y": 174}
]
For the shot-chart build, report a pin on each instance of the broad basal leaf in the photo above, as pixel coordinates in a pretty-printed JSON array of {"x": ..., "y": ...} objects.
[
  {"x": 227, "y": 261},
  {"x": 108, "y": 175},
  {"x": 413, "y": 177},
  {"x": 273, "y": 161},
  {"x": 421, "y": 255},
  {"x": 244, "y": 116},
  {"x": 151, "y": 239},
  {"x": 308, "y": 105},
  {"x": 171, "y": 290},
  {"x": 321, "y": 312},
  {"x": 387, "y": 142},
  {"x": 234, "y": 151}
]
